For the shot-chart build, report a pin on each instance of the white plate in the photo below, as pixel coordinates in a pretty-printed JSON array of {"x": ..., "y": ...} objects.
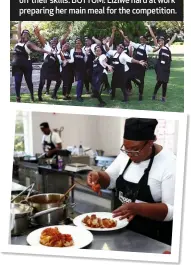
[
  {"x": 81, "y": 237},
  {"x": 120, "y": 223}
]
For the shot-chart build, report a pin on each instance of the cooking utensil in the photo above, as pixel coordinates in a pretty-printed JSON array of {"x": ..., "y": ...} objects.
[
  {"x": 81, "y": 237},
  {"x": 120, "y": 223},
  {"x": 32, "y": 185},
  {"x": 47, "y": 201},
  {"x": 62, "y": 197}
]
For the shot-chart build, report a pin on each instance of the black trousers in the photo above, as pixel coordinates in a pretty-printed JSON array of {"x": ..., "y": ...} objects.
[
  {"x": 42, "y": 83},
  {"x": 164, "y": 88},
  {"x": 27, "y": 72},
  {"x": 123, "y": 85},
  {"x": 88, "y": 78}
]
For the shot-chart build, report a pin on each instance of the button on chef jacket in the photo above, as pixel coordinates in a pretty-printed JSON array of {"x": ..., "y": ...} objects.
[
  {"x": 123, "y": 58},
  {"x": 161, "y": 177}
]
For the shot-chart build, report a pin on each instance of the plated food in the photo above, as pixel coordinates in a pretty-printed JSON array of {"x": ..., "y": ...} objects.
[
  {"x": 99, "y": 221},
  {"x": 95, "y": 222},
  {"x": 52, "y": 237}
]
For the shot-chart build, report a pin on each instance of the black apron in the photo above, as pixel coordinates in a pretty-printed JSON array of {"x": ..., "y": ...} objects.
[
  {"x": 130, "y": 192},
  {"x": 97, "y": 75},
  {"x": 49, "y": 146},
  {"x": 66, "y": 68},
  {"x": 51, "y": 68},
  {"x": 119, "y": 74},
  {"x": 79, "y": 65},
  {"x": 163, "y": 65},
  {"x": 21, "y": 62},
  {"x": 137, "y": 70}
]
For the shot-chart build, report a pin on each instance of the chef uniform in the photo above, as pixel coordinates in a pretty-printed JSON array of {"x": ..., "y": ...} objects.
[
  {"x": 97, "y": 76},
  {"x": 79, "y": 60},
  {"x": 22, "y": 65},
  {"x": 128, "y": 83},
  {"x": 163, "y": 70},
  {"x": 137, "y": 71},
  {"x": 89, "y": 67},
  {"x": 127, "y": 191},
  {"x": 65, "y": 74},
  {"x": 50, "y": 71}
]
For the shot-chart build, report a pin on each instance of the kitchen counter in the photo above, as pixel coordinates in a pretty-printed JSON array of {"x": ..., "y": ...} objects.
[{"x": 121, "y": 240}]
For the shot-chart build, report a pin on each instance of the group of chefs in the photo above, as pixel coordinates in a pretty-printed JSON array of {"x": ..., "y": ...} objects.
[{"x": 89, "y": 64}]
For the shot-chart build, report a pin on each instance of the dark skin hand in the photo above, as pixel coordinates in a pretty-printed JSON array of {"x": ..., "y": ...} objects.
[{"x": 53, "y": 151}]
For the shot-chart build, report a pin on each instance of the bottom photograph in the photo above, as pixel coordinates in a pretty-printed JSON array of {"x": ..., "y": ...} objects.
[{"x": 93, "y": 182}]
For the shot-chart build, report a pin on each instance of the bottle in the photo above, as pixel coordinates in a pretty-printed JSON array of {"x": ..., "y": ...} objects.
[
  {"x": 80, "y": 150},
  {"x": 60, "y": 163}
]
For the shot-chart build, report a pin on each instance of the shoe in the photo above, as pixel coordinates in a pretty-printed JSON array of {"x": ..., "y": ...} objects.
[
  {"x": 112, "y": 97},
  {"x": 80, "y": 99},
  {"x": 47, "y": 93},
  {"x": 69, "y": 98},
  {"x": 124, "y": 100},
  {"x": 32, "y": 98},
  {"x": 87, "y": 92},
  {"x": 40, "y": 99},
  {"x": 18, "y": 99},
  {"x": 93, "y": 96},
  {"x": 102, "y": 104},
  {"x": 153, "y": 97},
  {"x": 163, "y": 100},
  {"x": 54, "y": 97},
  {"x": 140, "y": 97}
]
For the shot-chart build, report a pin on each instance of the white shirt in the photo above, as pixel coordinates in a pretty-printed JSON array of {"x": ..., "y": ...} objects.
[
  {"x": 145, "y": 47},
  {"x": 161, "y": 177},
  {"x": 93, "y": 48},
  {"x": 48, "y": 48},
  {"x": 110, "y": 47},
  {"x": 72, "y": 55},
  {"x": 101, "y": 59},
  {"x": 123, "y": 58},
  {"x": 54, "y": 138}
]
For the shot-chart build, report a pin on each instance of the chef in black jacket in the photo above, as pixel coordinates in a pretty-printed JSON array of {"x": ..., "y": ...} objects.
[
  {"x": 163, "y": 67},
  {"x": 21, "y": 63},
  {"x": 51, "y": 141},
  {"x": 143, "y": 177}
]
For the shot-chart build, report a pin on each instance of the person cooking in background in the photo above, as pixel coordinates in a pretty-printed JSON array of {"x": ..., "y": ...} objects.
[
  {"x": 21, "y": 63},
  {"x": 163, "y": 66},
  {"x": 143, "y": 176},
  {"x": 51, "y": 141},
  {"x": 142, "y": 50}
]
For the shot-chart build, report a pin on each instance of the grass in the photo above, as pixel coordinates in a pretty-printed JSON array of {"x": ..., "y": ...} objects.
[{"x": 175, "y": 94}]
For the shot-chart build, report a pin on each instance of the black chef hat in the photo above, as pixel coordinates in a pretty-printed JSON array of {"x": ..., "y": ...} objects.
[
  {"x": 161, "y": 38},
  {"x": 25, "y": 31},
  {"x": 138, "y": 129},
  {"x": 44, "y": 125}
]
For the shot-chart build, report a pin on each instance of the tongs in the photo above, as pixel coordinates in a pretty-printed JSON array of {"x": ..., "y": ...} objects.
[{"x": 30, "y": 188}]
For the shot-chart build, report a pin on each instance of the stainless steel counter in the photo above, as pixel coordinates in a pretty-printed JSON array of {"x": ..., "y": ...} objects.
[{"x": 121, "y": 240}]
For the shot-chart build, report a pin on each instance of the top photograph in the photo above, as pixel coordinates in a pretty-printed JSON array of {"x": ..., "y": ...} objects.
[{"x": 121, "y": 64}]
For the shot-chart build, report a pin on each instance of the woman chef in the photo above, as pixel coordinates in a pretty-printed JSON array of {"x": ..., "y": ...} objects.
[
  {"x": 120, "y": 70},
  {"x": 163, "y": 67},
  {"x": 21, "y": 63},
  {"x": 143, "y": 177}
]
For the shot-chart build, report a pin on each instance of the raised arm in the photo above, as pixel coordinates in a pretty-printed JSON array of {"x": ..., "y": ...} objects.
[
  {"x": 19, "y": 30},
  {"x": 152, "y": 34},
  {"x": 65, "y": 36},
  {"x": 96, "y": 40},
  {"x": 35, "y": 48},
  {"x": 123, "y": 35},
  {"x": 106, "y": 46},
  {"x": 112, "y": 36},
  {"x": 172, "y": 40},
  {"x": 39, "y": 36}
]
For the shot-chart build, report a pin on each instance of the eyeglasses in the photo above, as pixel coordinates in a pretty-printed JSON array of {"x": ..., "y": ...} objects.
[{"x": 131, "y": 152}]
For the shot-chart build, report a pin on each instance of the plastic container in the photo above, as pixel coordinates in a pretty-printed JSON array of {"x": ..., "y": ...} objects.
[{"x": 60, "y": 163}]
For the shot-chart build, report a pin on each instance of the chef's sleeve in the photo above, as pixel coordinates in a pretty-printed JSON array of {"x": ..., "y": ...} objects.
[
  {"x": 168, "y": 190},
  {"x": 135, "y": 45},
  {"x": 126, "y": 58},
  {"x": 71, "y": 56},
  {"x": 56, "y": 139},
  {"x": 114, "y": 170},
  {"x": 93, "y": 48},
  {"x": 149, "y": 48}
]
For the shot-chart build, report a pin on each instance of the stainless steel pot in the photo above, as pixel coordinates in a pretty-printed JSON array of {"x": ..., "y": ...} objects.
[{"x": 48, "y": 201}]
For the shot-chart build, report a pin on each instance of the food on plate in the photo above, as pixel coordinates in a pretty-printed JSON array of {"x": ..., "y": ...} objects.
[
  {"x": 95, "y": 222},
  {"x": 96, "y": 188},
  {"x": 51, "y": 237}
]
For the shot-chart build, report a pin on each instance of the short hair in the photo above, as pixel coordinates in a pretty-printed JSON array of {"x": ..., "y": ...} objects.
[{"x": 44, "y": 125}]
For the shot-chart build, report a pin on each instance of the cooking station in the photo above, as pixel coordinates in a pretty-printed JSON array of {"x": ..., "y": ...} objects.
[{"x": 49, "y": 179}]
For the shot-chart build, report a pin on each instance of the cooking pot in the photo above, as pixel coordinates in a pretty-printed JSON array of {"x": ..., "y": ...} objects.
[{"x": 48, "y": 201}]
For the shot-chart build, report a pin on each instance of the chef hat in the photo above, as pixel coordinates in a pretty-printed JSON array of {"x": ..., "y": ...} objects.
[
  {"x": 44, "y": 125},
  {"x": 25, "y": 31},
  {"x": 160, "y": 38},
  {"x": 138, "y": 129}
]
